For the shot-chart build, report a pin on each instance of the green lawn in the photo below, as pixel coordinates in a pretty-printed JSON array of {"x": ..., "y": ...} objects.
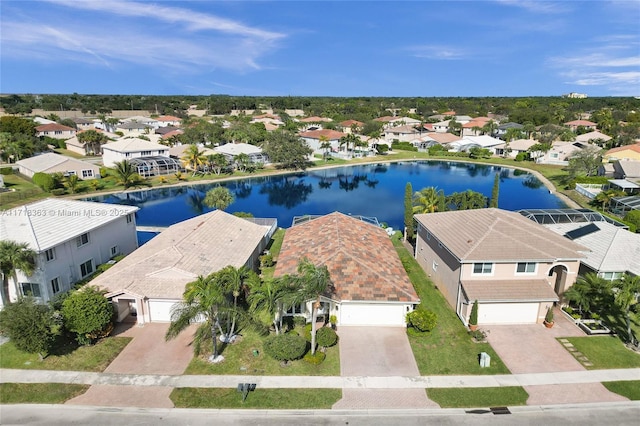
[
  {"x": 22, "y": 191},
  {"x": 274, "y": 248},
  {"x": 448, "y": 349},
  {"x": 84, "y": 358},
  {"x": 478, "y": 397},
  {"x": 39, "y": 393},
  {"x": 239, "y": 359},
  {"x": 605, "y": 352},
  {"x": 282, "y": 399},
  {"x": 629, "y": 389}
]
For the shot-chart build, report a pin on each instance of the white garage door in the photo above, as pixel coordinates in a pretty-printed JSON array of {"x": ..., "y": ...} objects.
[
  {"x": 508, "y": 313},
  {"x": 160, "y": 310},
  {"x": 372, "y": 314}
]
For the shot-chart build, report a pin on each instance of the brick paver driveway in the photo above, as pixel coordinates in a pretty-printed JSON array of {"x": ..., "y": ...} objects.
[
  {"x": 378, "y": 351},
  {"x": 147, "y": 353},
  {"x": 533, "y": 348}
]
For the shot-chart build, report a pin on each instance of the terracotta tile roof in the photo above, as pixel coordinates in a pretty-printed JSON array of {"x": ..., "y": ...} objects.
[
  {"x": 580, "y": 123},
  {"x": 635, "y": 147},
  {"x": 53, "y": 127},
  {"x": 168, "y": 118},
  {"x": 444, "y": 138},
  {"x": 497, "y": 235},
  {"x": 314, "y": 119},
  {"x": 272, "y": 116},
  {"x": 360, "y": 257},
  {"x": 315, "y": 134},
  {"x": 349, "y": 123},
  {"x": 509, "y": 291},
  {"x": 449, "y": 113},
  {"x": 384, "y": 119}
]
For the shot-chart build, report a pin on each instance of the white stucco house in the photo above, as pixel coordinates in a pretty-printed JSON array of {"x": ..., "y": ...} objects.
[
  {"x": 146, "y": 285},
  {"x": 55, "y": 130},
  {"x": 128, "y": 148},
  {"x": 70, "y": 238},
  {"x": 55, "y": 163},
  {"x": 370, "y": 285}
]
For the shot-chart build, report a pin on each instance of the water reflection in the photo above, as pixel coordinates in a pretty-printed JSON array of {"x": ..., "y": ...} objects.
[{"x": 286, "y": 192}]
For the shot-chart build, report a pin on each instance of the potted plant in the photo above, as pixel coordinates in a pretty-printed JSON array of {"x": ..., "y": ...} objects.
[
  {"x": 333, "y": 320},
  {"x": 548, "y": 318},
  {"x": 473, "y": 318}
]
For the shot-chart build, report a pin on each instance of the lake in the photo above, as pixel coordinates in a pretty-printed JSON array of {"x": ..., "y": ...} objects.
[{"x": 369, "y": 190}]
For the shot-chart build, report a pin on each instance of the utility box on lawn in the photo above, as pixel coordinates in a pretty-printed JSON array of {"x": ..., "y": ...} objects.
[{"x": 485, "y": 360}]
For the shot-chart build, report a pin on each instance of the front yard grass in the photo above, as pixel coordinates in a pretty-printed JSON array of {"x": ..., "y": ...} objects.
[
  {"x": 282, "y": 399},
  {"x": 478, "y": 397},
  {"x": 448, "y": 349},
  {"x": 66, "y": 357},
  {"x": 629, "y": 389},
  {"x": 240, "y": 359},
  {"x": 605, "y": 352},
  {"x": 39, "y": 393},
  {"x": 274, "y": 249}
]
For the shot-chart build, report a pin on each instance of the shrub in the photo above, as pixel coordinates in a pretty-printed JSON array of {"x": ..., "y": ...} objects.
[
  {"x": 285, "y": 347},
  {"x": 326, "y": 337},
  {"x": 521, "y": 156},
  {"x": 407, "y": 146},
  {"x": 633, "y": 220},
  {"x": 88, "y": 314},
  {"x": 58, "y": 191},
  {"x": 478, "y": 335},
  {"x": 422, "y": 319},
  {"x": 568, "y": 309},
  {"x": 307, "y": 332},
  {"x": 45, "y": 181},
  {"x": 549, "y": 316},
  {"x": 299, "y": 321},
  {"x": 266, "y": 260},
  {"x": 473, "y": 317},
  {"x": 6, "y": 171},
  {"x": 315, "y": 359},
  {"x": 382, "y": 148},
  {"x": 104, "y": 171},
  {"x": 32, "y": 327}
]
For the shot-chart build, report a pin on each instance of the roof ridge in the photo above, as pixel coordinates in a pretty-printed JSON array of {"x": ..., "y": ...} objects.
[{"x": 33, "y": 231}]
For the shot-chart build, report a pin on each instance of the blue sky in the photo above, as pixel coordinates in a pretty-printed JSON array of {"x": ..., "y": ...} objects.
[{"x": 321, "y": 48}]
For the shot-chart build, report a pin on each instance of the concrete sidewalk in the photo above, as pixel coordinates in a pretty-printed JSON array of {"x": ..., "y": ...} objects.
[{"x": 352, "y": 382}]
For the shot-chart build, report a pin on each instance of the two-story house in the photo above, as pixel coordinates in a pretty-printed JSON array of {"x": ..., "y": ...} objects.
[
  {"x": 129, "y": 148},
  {"x": 70, "y": 239},
  {"x": 512, "y": 266}
]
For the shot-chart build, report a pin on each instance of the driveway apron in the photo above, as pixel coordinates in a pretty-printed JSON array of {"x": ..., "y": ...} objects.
[
  {"x": 533, "y": 348},
  {"x": 379, "y": 352},
  {"x": 147, "y": 353}
]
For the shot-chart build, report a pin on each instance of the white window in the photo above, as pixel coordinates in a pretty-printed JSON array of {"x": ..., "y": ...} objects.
[
  {"x": 87, "y": 173},
  {"x": 526, "y": 268},
  {"x": 127, "y": 154},
  {"x": 55, "y": 285},
  {"x": 82, "y": 239},
  {"x": 554, "y": 155},
  {"x": 295, "y": 309},
  {"x": 610, "y": 276},
  {"x": 145, "y": 153},
  {"x": 114, "y": 250},
  {"x": 483, "y": 268},
  {"x": 50, "y": 254},
  {"x": 31, "y": 289},
  {"x": 86, "y": 268}
]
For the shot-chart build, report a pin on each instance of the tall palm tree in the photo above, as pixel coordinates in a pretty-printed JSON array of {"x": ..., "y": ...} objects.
[
  {"x": 310, "y": 282},
  {"x": 589, "y": 291},
  {"x": 325, "y": 145},
  {"x": 242, "y": 161},
  {"x": 126, "y": 173},
  {"x": 234, "y": 282},
  {"x": 627, "y": 293},
  {"x": 265, "y": 297},
  {"x": 202, "y": 301},
  {"x": 194, "y": 158},
  {"x": 217, "y": 162},
  {"x": 426, "y": 200},
  {"x": 14, "y": 256}
]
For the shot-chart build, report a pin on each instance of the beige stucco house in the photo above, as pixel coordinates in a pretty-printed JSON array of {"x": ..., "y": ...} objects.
[
  {"x": 512, "y": 266},
  {"x": 56, "y": 163}
]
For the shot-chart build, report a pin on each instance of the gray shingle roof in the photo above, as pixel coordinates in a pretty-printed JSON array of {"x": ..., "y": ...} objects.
[{"x": 497, "y": 235}]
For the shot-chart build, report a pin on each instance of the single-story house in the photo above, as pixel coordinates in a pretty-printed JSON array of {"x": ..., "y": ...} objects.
[
  {"x": 314, "y": 123},
  {"x": 593, "y": 136},
  {"x": 501, "y": 130},
  {"x": 573, "y": 125},
  {"x": 371, "y": 287},
  {"x": 560, "y": 152},
  {"x": 626, "y": 169},
  {"x": 56, "y": 163},
  {"x": 83, "y": 148},
  {"x": 55, "y": 130},
  {"x": 514, "y": 267},
  {"x": 625, "y": 152},
  {"x": 232, "y": 150},
  {"x": 82, "y": 123},
  {"x": 70, "y": 238},
  {"x": 515, "y": 147},
  {"x": 134, "y": 128},
  {"x": 151, "y": 280},
  {"x": 484, "y": 142},
  {"x": 348, "y": 126},
  {"x": 129, "y": 148},
  {"x": 168, "y": 120}
]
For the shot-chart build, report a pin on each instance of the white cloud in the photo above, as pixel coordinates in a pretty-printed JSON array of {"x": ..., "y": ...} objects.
[
  {"x": 546, "y": 7},
  {"x": 438, "y": 52}
]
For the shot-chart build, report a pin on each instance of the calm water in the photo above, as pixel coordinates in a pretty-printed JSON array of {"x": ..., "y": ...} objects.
[{"x": 368, "y": 190}]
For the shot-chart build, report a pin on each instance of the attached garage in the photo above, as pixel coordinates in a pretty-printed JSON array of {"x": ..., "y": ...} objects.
[
  {"x": 508, "y": 313},
  {"x": 381, "y": 314},
  {"x": 160, "y": 310}
]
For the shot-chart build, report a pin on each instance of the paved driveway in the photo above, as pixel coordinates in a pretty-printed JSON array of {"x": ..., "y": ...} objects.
[
  {"x": 147, "y": 353},
  {"x": 381, "y": 352},
  {"x": 533, "y": 348}
]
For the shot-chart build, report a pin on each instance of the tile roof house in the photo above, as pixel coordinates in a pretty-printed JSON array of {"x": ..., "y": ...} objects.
[
  {"x": 371, "y": 286},
  {"x": 55, "y": 130},
  {"x": 168, "y": 120},
  {"x": 152, "y": 279},
  {"x": 128, "y": 148},
  {"x": 626, "y": 169},
  {"x": 70, "y": 238},
  {"x": 515, "y": 147},
  {"x": 629, "y": 152},
  {"x": 312, "y": 138},
  {"x": 56, "y": 163},
  {"x": 593, "y": 136},
  {"x": 573, "y": 125},
  {"x": 512, "y": 266}
]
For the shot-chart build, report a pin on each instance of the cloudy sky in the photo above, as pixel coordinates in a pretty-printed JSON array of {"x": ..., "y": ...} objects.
[{"x": 321, "y": 48}]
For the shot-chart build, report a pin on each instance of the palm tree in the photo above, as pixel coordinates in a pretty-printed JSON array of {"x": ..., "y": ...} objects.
[
  {"x": 310, "y": 282},
  {"x": 217, "y": 162},
  {"x": 194, "y": 158},
  {"x": 589, "y": 291},
  {"x": 72, "y": 183},
  {"x": 605, "y": 197},
  {"x": 242, "y": 161},
  {"x": 202, "y": 301},
  {"x": 325, "y": 145},
  {"x": 14, "y": 256},
  {"x": 219, "y": 198},
  {"x": 92, "y": 140},
  {"x": 265, "y": 296},
  {"x": 627, "y": 292},
  {"x": 426, "y": 200},
  {"x": 234, "y": 281},
  {"x": 126, "y": 173}
]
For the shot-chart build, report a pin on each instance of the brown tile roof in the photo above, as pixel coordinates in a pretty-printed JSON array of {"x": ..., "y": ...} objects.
[
  {"x": 168, "y": 118},
  {"x": 199, "y": 246},
  {"x": 580, "y": 123},
  {"x": 449, "y": 113},
  {"x": 330, "y": 134},
  {"x": 497, "y": 235},
  {"x": 314, "y": 119},
  {"x": 384, "y": 119},
  {"x": 54, "y": 126},
  {"x": 444, "y": 137},
  {"x": 635, "y": 147},
  {"x": 349, "y": 123},
  {"x": 361, "y": 259},
  {"x": 508, "y": 291}
]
